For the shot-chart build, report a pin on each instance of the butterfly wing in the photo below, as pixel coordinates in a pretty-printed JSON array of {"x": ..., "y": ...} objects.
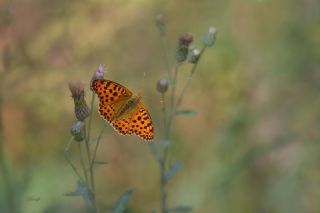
[
  {"x": 110, "y": 92},
  {"x": 141, "y": 123},
  {"x": 112, "y": 97},
  {"x": 107, "y": 112}
]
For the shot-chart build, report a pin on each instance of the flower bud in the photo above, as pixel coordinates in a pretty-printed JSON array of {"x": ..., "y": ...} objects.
[
  {"x": 194, "y": 55},
  {"x": 210, "y": 37},
  {"x": 81, "y": 108},
  {"x": 77, "y": 130},
  {"x": 97, "y": 75},
  {"x": 183, "y": 47},
  {"x": 161, "y": 24},
  {"x": 162, "y": 85}
]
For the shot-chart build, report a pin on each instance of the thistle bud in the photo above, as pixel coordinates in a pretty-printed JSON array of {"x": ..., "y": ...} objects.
[
  {"x": 77, "y": 130},
  {"x": 183, "y": 46},
  {"x": 210, "y": 37},
  {"x": 97, "y": 75},
  {"x": 162, "y": 85},
  {"x": 194, "y": 55},
  {"x": 161, "y": 24},
  {"x": 81, "y": 108}
]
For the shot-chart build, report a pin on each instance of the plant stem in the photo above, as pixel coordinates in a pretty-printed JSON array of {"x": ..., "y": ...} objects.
[
  {"x": 164, "y": 110},
  {"x": 163, "y": 187},
  {"x": 90, "y": 158},
  {"x": 166, "y": 55},
  {"x": 82, "y": 162},
  {"x": 193, "y": 69},
  {"x": 8, "y": 187},
  {"x": 97, "y": 145},
  {"x": 66, "y": 156},
  {"x": 91, "y": 166},
  {"x": 88, "y": 135},
  {"x": 173, "y": 86},
  {"x": 90, "y": 118}
]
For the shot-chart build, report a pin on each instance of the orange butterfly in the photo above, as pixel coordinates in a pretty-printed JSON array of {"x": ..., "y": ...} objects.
[{"x": 125, "y": 112}]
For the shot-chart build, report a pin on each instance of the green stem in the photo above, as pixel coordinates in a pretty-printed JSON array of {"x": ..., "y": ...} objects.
[
  {"x": 90, "y": 158},
  {"x": 166, "y": 55},
  {"x": 88, "y": 136},
  {"x": 164, "y": 110},
  {"x": 8, "y": 186},
  {"x": 193, "y": 69},
  {"x": 82, "y": 163},
  {"x": 163, "y": 186},
  {"x": 96, "y": 148},
  {"x": 66, "y": 156},
  {"x": 90, "y": 118}
]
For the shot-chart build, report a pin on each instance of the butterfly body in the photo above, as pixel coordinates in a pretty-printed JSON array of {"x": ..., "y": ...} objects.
[
  {"x": 128, "y": 106},
  {"x": 125, "y": 112}
]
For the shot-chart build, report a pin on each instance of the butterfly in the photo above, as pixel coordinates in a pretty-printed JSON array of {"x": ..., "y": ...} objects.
[{"x": 123, "y": 110}]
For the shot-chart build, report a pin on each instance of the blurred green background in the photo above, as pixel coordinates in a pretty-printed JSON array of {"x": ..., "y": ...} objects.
[{"x": 253, "y": 145}]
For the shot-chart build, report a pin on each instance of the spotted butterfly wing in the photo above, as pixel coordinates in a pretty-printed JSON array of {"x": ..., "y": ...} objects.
[
  {"x": 109, "y": 92},
  {"x": 141, "y": 123},
  {"x": 121, "y": 125},
  {"x": 135, "y": 120}
]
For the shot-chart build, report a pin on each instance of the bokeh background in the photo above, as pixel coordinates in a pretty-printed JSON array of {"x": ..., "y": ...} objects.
[{"x": 252, "y": 146}]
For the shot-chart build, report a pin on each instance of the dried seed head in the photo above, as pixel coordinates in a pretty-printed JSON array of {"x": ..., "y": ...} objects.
[
  {"x": 194, "y": 55},
  {"x": 162, "y": 85},
  {"x": 161, "y": 24},
  {"x": 186, "y": 39},
  {"x": 210, "y": 37},
  {"x": 182, "y": 50},
  {"x": 77, "y": 130},
  {"x": 81, "y": 108},
  {"x": 76, "y": 88}
]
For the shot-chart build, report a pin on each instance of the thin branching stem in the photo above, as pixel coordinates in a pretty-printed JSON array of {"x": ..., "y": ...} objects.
[
  {"x": 66, "y": 156},
  {"x": 164, "y": 110},
  {"x": 88, "y": 138},
  {"x": 91, "y": 163},
  {"x": 8, "y": 187},
  {"x": 166, "y": 55},
  {"x": 90, "y": 118},
  {"x": 173, "y": 85},
  {"x": 90, "y": 157},
  {"x": 193, "y": 69},
  {"x": 97, "y": 145},
  {"x": 82, "y": 163}
]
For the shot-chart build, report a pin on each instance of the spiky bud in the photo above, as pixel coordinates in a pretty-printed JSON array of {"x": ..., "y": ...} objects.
[
  {"x": 81, "y": 108},
  {"x": 183, "y": 46},
  {"x": 77, "y": 130},
  {"x": 194, "y": 55},
  {"x": 162, "y": 85},
  {"x": 210, "y": 37}
]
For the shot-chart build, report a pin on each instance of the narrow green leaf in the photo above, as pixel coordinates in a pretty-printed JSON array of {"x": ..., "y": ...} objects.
[
  {"x": 122, "y": 202},
  {"x": 174, "y": 168},
  {"x": 181, "y": 208},
  {"x": 186, "y": 112},
  {"x": 100, "y": 162}
]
